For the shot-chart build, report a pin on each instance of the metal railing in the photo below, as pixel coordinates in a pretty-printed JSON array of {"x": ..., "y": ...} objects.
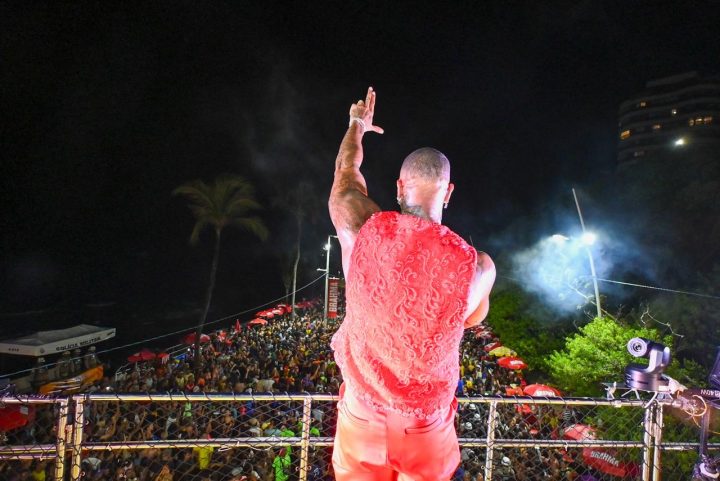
[{"x": 116, "y": 436}]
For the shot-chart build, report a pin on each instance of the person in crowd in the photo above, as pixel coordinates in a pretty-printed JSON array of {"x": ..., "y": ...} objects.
[
  {"x": 90, "y": 358},
  {"x": 64, "y": 366},
  {"x": 244, "y": 357}
]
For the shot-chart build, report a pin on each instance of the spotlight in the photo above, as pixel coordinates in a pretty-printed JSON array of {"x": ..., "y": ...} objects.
[{"x": 588, "y": 238}]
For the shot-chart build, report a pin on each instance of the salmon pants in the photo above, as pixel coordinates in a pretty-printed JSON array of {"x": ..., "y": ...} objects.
[{"x": 373, "y": 445}]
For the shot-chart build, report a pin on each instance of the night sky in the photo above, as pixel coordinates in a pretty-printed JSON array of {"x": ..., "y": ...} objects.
[{"x": 108, "y": 107}]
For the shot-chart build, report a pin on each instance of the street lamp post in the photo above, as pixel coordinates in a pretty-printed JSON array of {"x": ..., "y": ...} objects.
[{"x": 588, "y": 239}]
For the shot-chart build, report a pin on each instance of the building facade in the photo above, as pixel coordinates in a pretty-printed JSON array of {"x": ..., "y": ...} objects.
[{"x": 671, "y": 113}]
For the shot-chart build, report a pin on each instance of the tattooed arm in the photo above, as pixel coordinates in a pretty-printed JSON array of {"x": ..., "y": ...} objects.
[{"x": 349, "y": 203}]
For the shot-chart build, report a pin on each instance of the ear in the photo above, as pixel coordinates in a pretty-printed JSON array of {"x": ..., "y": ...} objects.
[
  {"x": 400, "y": 188},
  {"x": 449, "y": 192}
]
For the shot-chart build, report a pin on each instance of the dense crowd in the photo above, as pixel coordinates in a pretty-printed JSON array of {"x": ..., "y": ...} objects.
[{"x": 286, "y": 355}]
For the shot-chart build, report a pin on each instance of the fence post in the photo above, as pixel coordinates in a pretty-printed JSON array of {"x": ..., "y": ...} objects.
[
  {"x": 657, "y": 442},
  {"x": 648, "y": 434},
  {"x": 492, "y": 422},
  {"x": 61, "y": 443},
  {"x": 77, "y": 438},
  {"x": 305, "y": 438}
]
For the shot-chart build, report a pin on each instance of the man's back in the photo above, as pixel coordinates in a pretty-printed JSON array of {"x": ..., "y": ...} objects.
[{"x": 407, "y": 292}]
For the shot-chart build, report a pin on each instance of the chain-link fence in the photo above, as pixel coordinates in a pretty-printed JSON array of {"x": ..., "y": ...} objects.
[
  {"x": 677, "y": 440},
  {"x": 217, "y": 437},
  {"x": 33, "y": 437}
]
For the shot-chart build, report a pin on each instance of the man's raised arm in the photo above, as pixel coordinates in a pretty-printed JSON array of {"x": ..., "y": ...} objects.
[{"x": 349, "y": 203}]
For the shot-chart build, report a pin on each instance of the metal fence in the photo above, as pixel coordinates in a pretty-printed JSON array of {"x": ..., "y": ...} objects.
[{"x": 218, "y": 437}]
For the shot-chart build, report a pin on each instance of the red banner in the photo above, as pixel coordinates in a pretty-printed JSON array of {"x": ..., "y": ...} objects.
[{"x": 333, "y": 292}]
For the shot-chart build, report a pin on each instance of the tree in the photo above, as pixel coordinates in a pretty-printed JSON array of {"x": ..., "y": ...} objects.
[
  {"x": 596, "y": 354},
  {"x": 224, "y": 203},
  {"x": 301, "y": 201},
  {"x": 521, "y": 324}
]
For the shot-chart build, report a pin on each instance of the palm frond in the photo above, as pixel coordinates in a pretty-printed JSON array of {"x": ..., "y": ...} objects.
[
  {"x": 224, "y": 202},
  {"x": 241, "y": 205},
  {"x": 254, "y": 225},
  {"x": 197, "y": 230},
  {"x": 196, "y": 191}
]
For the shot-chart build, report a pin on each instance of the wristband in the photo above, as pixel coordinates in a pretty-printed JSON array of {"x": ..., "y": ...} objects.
[{"x": 359, "y": 121}]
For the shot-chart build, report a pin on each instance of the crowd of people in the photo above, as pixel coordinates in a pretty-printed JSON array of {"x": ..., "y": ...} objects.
[{"x": 287, "y": 355}]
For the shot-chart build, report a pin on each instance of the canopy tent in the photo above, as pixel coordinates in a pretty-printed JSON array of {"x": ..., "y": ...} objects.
[
  {"x": 190, "y": 339},
  {"x": 579, "y": 432},
  {"x": 143, "y": 355},
  {"x": 608, "y": 461},
  {"x": 512, "y": 362},
  {"x": 13, "y": 416},
  {"x": 540, "y": 390},
  {"x": 43, "y": 343},
  {"x": 502, "y": 351}
]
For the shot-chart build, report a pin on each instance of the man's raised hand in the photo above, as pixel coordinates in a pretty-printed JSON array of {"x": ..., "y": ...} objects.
[{"x": 362, "y": 112}]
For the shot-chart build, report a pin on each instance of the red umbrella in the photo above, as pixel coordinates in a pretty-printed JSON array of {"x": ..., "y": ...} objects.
[
  {"x": 492, "y": 346},
  {"x": 144, "y": 355},
  {"x": 257, "y": 320},
  {"x": 541, "y": 390},
  {"x": 13, "y": 416},
  {"x": 606, "y": 461},
  {"x": 579, "y": 432},
  {"x": 190, "y": 339},
  {"x": 238, "y": 327},
  {"x": 164, "y": 357},
  {"x": 278, "y": 311},
  {"x": 512, "y": 363}
]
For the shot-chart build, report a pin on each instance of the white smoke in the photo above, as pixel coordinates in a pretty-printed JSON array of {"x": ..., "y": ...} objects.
[{"x": 557, "y": 269}]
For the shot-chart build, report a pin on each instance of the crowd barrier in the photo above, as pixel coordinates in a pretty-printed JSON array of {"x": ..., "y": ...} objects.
[{"x": 223, "y": 437}]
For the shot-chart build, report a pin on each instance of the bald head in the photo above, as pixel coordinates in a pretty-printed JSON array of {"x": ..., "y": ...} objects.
[
  {"x": 424, "y": 184},
  {"x": 426, "y": 164}
]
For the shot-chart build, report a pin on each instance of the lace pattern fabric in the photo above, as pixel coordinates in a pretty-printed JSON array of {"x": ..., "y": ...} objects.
[{"x": 407, "y": 290}]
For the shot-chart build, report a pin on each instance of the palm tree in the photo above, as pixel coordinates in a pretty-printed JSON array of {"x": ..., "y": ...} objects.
[
  {"x": 224, "y": 203},
  {"x": 301, "y": 201}
]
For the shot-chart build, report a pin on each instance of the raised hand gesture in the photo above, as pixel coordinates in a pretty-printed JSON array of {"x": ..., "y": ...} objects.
[{"x": 362, "y": 112}]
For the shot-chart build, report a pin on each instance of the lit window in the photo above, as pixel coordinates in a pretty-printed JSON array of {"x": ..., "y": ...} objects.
[
  {"x": 624, "y": 134},
  {"x": 638, "y": 153},
  {"x": 708, "y": 120},
  {"x": 698, "y": 121},
  {"x": 657, "y": 126},
  {"x": 691, "y": 122},
  {"x": 673, "y": 111},
  {"x": 642, "y": 104}
]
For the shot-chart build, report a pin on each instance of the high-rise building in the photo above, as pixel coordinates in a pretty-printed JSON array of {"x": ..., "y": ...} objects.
[{"x": 670, "y": 113}]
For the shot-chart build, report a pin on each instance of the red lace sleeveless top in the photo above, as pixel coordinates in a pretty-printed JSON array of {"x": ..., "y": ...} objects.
[{"x": 407, "y": 290}]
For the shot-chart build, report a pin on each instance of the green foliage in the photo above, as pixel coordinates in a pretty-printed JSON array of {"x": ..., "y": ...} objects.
[
  {"x": 596, "y": 354},
  {"x": 695, "y": 318},
  {"x": 688, "y": 372},
  {"x": 513, "y": 318}
]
